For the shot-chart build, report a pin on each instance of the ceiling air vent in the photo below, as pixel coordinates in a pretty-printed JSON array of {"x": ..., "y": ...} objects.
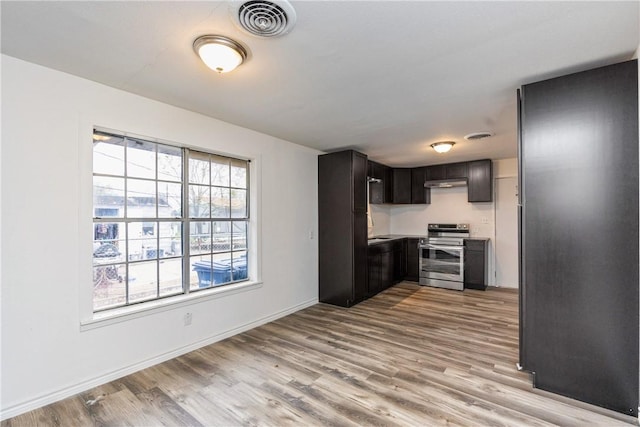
[
  {"x": 477, "y": 135},
  {"x": 264, "y": 18}
]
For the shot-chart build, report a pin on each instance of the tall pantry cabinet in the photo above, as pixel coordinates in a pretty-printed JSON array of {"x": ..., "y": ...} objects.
[
  {"x": 578, "y": 155},
  {"x": 342, "y": 227}
]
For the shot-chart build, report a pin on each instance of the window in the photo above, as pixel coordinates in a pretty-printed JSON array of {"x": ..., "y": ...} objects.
[{"x": 167, "y": 220}]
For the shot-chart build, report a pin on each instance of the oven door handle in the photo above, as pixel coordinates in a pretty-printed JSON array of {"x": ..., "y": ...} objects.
[{"x": 446, "y": 248}]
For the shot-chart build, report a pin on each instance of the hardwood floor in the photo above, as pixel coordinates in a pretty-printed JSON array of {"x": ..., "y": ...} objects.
[{"x": 411, "y": 356}]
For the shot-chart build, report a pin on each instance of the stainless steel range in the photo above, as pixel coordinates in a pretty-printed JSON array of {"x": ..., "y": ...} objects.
[{"x": 442, "y": 256}]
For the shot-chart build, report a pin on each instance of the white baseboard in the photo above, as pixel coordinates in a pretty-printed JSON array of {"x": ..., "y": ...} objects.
[{"x": 49, "y": 398}]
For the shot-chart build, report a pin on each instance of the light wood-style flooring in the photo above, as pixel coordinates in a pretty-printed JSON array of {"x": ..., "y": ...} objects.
[{"x": 411, "y": 356}]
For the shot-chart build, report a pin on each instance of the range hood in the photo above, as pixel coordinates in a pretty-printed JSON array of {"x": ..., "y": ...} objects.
[{"x": 446, "y": 183}]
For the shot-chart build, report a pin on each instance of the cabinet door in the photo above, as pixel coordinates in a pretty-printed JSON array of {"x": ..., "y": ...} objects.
[
  {"x": 419, "y": 194},
  {"x": 375, "y": 269},
  {"x": 380, "y": 192},
  {"x": 359, "y": 171},
  {"x": 456, "y": 170},
  {"x": 387, "y": 181},
  {"x": 360, "y": 247},
  {"x": 387, "y": 269},
  {"x": 413, "y": 260},
  {"x": 436, "y": 173},
  {"x": 376, "y": 193},
  {"x": 474, "y": 269},
  {"x": 401, "y": 185},
  {"x": 480, "y": 181},
  {"x": 399, "y": 265}
]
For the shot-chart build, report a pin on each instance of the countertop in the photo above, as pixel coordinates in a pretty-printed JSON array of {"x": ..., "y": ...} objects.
[{"x": 390, "y": 237}]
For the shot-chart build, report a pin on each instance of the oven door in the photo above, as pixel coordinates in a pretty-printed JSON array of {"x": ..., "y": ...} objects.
[{"x": 441, "y": 262}]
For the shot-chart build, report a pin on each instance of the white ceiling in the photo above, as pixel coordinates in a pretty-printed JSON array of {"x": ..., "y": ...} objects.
[{"x": 387, "y": 78}]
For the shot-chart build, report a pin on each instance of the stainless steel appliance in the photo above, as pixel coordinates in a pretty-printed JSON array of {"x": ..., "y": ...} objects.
[{"x": 442, "y": 256}]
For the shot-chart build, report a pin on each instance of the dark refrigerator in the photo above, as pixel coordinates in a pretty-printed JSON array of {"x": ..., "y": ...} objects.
[{"x": 578, "y": 218}]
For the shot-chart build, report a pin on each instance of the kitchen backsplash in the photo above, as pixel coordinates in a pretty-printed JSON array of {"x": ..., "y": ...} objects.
[{"x": 447, "y": 206}]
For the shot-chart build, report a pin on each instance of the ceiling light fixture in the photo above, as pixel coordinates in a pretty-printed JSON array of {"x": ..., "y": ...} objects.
[
  {"x": 443, "y": 146},
  {"x": 219, "y": 53}
]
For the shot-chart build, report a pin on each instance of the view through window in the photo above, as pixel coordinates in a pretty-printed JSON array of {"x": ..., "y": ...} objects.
[{"x": 167, "y": 220}]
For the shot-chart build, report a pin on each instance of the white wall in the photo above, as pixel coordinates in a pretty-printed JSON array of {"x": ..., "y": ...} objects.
[
  {"x": 47, "y": 120},
  {"x": 449, "y": 205},
  {"x": 380, "y": 214}
]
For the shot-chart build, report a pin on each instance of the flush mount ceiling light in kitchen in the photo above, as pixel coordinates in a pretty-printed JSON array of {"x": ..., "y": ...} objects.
[
  {"x": 442, "y": 146},
  {"x": 264, "y": 18},
  {"x": 220, "y": 53}
]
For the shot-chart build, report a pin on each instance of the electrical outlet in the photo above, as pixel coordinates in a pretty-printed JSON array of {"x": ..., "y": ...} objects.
[
  {"x": 188, "y": 317},
  {"x": 311, "y": 235},
  {"x": 485, "y": 220}
]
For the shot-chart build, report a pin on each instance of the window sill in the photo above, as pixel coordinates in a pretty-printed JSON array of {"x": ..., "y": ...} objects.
[{"x": 123, "y": 314}]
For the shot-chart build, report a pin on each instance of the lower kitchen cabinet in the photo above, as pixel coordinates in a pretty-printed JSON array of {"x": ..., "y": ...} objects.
[
  {"x": 396, "y": 260},
  {"x": 399, "y": 260},
  {"x": 380, "y": 266},
  {"x": 475, "y": 263},
  {"x": 386, "y": 265},
  {"x": 413, "y": 260},
  {"x": 374, "y": 265}
]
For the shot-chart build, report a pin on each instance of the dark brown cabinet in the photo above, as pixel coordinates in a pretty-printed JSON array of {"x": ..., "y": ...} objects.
[
  {"x": 413, "y": 259},
  {"x": 381, "y": 268},
  {"x": 342, "y": 227},
  {"x": 380, "y": 192},
  {"x": 475, "y": 264},
  {"x": 401, "y": 185},
  {"x": 399, "y": 260},
  {"x": 359, "y": 181},
  {"x": 406, "y": 185},
  {"x": 447, "y": 171},
  {"x": 480, "y": 180},
  {"x": 419, "y": 194},
  {"x": 456, "y": 170},
  {"x": 374, "y": 265},
  {"x": 387, "y": 265}
]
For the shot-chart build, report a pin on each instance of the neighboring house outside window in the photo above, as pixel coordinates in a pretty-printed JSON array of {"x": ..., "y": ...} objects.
[{"x": 147, "y": 199}]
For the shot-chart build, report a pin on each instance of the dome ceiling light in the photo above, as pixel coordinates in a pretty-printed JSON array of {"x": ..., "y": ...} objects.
[
  {"x": 219, "y": 53},
  {"x": 442, "y": 146}
]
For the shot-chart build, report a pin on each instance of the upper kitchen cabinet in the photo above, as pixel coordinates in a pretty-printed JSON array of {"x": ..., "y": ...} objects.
[
  {"x": 380, "y": 191},
  {"x": 480, "y": 181},
  {"x": 448, "y": 171},
  {"x": 342, "y": 227},
  {"x": 401, "y": 185},
  {"x": 359, "y": 181},
  {"x": 579, "y": 259},
  {"x": 419, "y": 194},
  {"x": 406, "y": 185}
]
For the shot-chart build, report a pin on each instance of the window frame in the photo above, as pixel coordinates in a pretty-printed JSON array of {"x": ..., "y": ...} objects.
[{"x": 187, "y": 292}]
